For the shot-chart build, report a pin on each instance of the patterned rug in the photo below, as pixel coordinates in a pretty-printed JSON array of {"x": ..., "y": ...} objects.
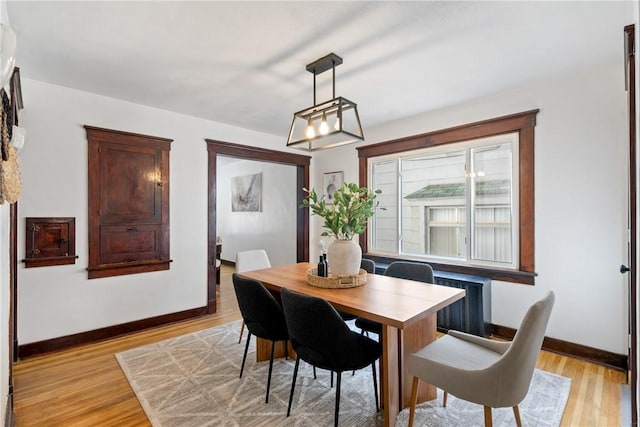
[{"x": 192, "y": 380}]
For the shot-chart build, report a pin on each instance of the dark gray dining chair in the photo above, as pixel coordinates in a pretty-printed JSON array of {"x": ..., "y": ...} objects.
[
  {"x": 321, "y": 338},
  {"x": 254, "y": 259},
  {"x": 262, "y": 315},
  {"x": 409, "y": 270},
  {"x": 370, "y": 267}
]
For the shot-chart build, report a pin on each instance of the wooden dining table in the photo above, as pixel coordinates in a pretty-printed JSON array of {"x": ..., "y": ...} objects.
[{"x": 405, "y": 308}]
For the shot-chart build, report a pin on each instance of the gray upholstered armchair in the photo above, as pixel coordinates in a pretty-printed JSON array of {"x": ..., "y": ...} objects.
[{"x": 491, "y": 373}]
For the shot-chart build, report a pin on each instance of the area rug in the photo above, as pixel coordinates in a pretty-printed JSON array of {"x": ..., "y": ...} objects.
[{"x": 192, "y": 380}]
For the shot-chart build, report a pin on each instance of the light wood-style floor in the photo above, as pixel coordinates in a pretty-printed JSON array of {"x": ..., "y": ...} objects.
[{"x": 84, "y": 386}]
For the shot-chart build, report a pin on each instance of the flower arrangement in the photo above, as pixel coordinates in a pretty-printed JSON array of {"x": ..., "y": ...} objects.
[{"x": 347, "y": 216}]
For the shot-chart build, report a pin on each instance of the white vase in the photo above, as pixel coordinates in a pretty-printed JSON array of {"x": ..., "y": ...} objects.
[{"x": 344, "y": 257}]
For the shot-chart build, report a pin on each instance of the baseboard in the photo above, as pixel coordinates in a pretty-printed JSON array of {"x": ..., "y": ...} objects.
[
  {"x": 10, "y": 415},
  {"x": 578, "y": 351},
  {"x": 61, "y": 343}
]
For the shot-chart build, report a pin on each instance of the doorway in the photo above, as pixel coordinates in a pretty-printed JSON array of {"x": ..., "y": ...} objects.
[
  {"x": 220, "y": 148},
  {"x": 256, "y": 209}
]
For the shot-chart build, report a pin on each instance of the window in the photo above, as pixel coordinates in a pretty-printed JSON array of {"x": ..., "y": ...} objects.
[
  {"x": 456, "y": 202},
  {"x": 459, "y": 198}
]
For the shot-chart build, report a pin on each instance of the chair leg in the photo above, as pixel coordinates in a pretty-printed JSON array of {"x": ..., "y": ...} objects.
[
  {"x": 516, "y": 412},
  {"x": 488, "y": 419},
  {"x": 241, "y": 331},
  {"x": 375, "y": 385},
  {"x": 293, "y": 385},
  {"x": 273, "y": 349},
  {"x": 244, "y": 358},
  {"x": 414, "y": 400},
  {"x": 331, "y": 379},
  {"x": 339, "y": 374},
  {"x": 444, "y": 399},
  {"x": 315, "y": 377}
]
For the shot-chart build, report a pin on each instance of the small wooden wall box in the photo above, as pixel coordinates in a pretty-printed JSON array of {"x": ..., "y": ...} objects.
[{"x": 50, "y": 241}]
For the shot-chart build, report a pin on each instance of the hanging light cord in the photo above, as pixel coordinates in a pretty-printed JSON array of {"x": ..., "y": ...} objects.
[{"x": 333, "y": 62}]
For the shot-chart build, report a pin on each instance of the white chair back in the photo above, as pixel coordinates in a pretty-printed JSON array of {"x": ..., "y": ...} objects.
[{"x": 255, "y": 259}]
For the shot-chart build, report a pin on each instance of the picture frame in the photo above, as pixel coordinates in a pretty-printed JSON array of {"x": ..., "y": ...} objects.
[
  {"x": 246, "y": 193},
  {"x": 331, "y": 181}
]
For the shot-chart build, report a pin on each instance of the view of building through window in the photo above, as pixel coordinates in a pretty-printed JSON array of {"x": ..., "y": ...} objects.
[{"x": 454, "y": 201}]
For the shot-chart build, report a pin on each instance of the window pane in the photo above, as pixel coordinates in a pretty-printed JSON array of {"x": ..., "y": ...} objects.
[
  {"x": 385, "y": 221},
  {"x": 446, "y": 231},
  {"x": 427, "y": 182},
  {"x": 492, "y": 214}
]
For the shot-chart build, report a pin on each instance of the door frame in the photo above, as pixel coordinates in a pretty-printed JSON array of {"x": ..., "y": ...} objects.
[
  {"x": 630, "y": 81},
  {"x": 302, "y": 164},
  {"x": 15, "y": 91}
]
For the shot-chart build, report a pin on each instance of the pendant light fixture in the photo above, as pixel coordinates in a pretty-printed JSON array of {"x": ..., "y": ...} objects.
[{"x": 328, "y": 124}]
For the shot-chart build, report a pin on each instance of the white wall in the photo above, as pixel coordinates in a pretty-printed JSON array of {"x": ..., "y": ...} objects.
[
  {"x": 581, "y": 199},
  {"x": 272, "y": 229},
  {"x": 58, "y": 301}
]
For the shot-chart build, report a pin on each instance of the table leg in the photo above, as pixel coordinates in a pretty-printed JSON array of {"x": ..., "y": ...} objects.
[
  {"x": 263, "y": 350},
  {"x": 413, "y": 338},
  {"x": 389, "y": 372}
]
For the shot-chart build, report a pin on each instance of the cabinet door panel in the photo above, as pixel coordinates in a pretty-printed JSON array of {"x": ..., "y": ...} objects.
[
  {"x": 130, "y": 243},
  {"x": 49, "y": 241},
  {"x": 130, "y": 184},
  {"x": 53, "y": 240}
]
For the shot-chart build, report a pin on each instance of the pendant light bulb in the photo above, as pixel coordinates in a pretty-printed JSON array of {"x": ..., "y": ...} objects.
[
  {"x": 324, "y": 126},
  {"x": 311, "y": 133},
  {"x": 337, "y": 125}
]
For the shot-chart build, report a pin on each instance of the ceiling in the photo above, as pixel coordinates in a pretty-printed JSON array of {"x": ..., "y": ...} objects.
[{"x": 243, "y": 63}]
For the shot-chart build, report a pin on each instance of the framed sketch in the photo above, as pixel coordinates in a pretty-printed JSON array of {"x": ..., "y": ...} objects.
[
  {"x": 246, "y": 193},
  {"x": 330, "y": 183}
]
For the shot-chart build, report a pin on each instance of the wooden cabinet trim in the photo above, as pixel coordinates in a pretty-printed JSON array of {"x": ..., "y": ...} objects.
[
  {"x": 128, "y": 207},
  {"x": 50, "y": 241}
]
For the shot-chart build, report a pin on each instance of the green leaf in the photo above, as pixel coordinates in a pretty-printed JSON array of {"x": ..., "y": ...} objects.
[{"x": 349, "y": 214}]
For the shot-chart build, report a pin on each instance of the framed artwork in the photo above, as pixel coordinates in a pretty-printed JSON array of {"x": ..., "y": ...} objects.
[
  {"x": 246, "y": 193},
  {"x": 330, "y": 183}
]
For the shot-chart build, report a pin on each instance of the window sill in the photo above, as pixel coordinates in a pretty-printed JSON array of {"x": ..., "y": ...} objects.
[{"x": 513, "y": 276}]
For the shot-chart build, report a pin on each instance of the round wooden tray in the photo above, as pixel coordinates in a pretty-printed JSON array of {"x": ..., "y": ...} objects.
[{"x": 336, "y": 282}]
